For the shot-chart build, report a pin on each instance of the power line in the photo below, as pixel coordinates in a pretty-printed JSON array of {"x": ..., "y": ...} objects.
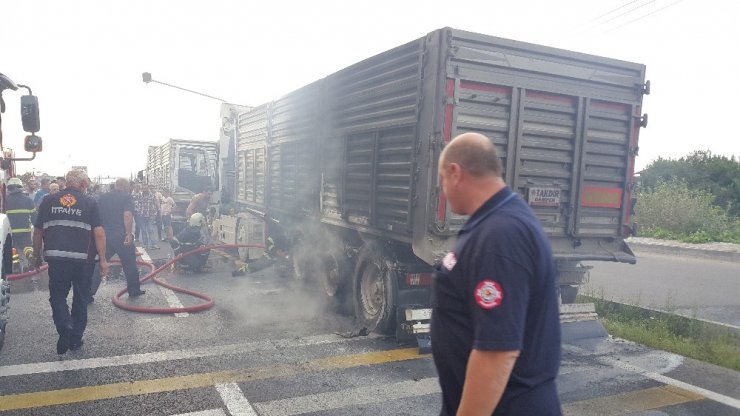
[
  {"x": 596, "y": 22},
  {"x": 628, "y": 12},
  {"x": 614, "y": 10},
  {"x": 643, "y": 16}
]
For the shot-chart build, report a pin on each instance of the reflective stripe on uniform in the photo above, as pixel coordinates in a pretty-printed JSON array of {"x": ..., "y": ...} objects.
[
  {"x": 20, "y": 211},
  {"x": 21, "y": 230},
  {"x": 65, "y": 254},
  {"x": 67, "y": 223}
]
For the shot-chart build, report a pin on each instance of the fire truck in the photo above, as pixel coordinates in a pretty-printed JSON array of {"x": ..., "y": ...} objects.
[{"x": 32, "y": 143}]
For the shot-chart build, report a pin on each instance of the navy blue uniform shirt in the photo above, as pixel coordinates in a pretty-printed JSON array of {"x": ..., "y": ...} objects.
[
  {"x": 496, "y": 291},
  {"x": 68, "y": 218},
  {"x": 112, "y": 206}
]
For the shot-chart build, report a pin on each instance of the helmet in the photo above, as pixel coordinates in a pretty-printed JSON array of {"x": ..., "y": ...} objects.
[
  {"x": 15, "y": 182},
  {"x": 196, "y": 220}
]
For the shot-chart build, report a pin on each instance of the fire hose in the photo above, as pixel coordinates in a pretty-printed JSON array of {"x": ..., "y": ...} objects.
[{"x": 154, "y": 271}]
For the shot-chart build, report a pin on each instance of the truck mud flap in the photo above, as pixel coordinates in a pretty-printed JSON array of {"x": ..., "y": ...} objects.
[{"x": 578, "y": 321}]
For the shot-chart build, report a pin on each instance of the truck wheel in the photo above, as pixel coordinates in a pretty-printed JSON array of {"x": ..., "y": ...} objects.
[
  {"x": 568, "y": 293},
  {"x": 374, "y": 296},
  {"x": 331, "y": 273},
  {"x": 304, "y": 265}
]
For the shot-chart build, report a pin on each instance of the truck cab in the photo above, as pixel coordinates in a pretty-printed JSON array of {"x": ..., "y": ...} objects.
[{"x": 32, "y": 143}]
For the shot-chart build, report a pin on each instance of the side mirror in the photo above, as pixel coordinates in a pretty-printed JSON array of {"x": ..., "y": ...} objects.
[
  {"x": 30, "y": 114},
  {"x": 32, "y": 143}
]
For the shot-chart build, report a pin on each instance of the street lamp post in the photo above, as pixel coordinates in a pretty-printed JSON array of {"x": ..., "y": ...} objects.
[{"x": 147, "y": 78}]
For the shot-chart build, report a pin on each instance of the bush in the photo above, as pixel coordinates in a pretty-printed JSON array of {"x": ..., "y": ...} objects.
[{"x": 671, "y": 210}]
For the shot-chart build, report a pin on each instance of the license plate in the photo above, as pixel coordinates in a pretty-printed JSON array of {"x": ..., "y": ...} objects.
[
  {"x": 418, "y": 314},
  {"x": 544, "y": 197}
]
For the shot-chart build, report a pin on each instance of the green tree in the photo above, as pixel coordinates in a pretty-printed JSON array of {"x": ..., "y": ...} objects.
[
  {"x": 700, "y": 170},
  {"x": 671, "y": 210}
]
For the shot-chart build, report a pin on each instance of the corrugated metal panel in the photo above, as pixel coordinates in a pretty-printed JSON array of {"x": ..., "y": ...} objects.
[
  {"x": 375, "y": 111},
  {"x": 253, "y": 133},
  {"x": 293, "y": 161},
  {"x": 364, "y": 115},
  {"x": 507, "y": 62},
  {"x": 531, "y": 101},
  {"x": 547, "y": 153},
  {"x": 605, "y": 169},
  {"x": 376, "y": 93}
]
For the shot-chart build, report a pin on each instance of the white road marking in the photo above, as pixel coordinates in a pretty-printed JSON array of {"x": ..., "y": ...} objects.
[
  {"x": 350, "y": 397},
  {"x": 153, "y": 357},
  {"x": 172, "y": 299},
  {"x": 720, "y": 398},
  {"x": 212, "y": 412},
  {"x": 622, "y": 364},
  {"x": 234, "y": 399},
  {"x": 169, "y": 295}
]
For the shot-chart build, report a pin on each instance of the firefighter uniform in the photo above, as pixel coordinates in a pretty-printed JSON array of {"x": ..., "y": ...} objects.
[
  {"x": 68, "y": 219},
  {"x": 20, "y": 208},
  {"x": 496, "y": 291}
]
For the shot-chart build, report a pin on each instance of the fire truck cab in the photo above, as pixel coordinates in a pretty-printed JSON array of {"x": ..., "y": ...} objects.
[{"x": 32, "y": 143}]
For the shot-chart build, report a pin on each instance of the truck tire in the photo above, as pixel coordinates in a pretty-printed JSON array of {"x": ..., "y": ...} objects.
[
  {"x": 374, "y": 294},
  {"x": 304, "y": 262},
  {"x": 332, "y": 273}
]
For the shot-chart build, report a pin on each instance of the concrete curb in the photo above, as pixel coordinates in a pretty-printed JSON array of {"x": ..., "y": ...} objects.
[
  {"x": 713, "y": 251},
  {"x": 648, "y": 312}
]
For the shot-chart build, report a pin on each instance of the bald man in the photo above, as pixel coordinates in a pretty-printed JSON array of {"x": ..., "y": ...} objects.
[{"x": 495, "y": 323}]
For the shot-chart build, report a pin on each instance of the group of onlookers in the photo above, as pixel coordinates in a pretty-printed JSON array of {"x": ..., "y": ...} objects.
[{"x": 152, "y": 215}]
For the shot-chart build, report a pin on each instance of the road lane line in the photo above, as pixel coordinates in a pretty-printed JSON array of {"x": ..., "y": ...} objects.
[
  {"x": 172, "y": 299},
  {"x": 193, "y": 381},
  {"x": 720, "y": 398},
  {"x": 349, "y": 397},
  {"x": 617, "y": 363},
  {"x": 172, "y": 355},
  {"x": 212, "y": 412},
  {"x": 234, "y": 400},
  {"x": 634, "y": 401},
  {"x": 168, "y": 294}
]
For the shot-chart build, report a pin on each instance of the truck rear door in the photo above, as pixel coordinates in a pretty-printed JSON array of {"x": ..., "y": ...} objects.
[{"x": 565, "y": 125}]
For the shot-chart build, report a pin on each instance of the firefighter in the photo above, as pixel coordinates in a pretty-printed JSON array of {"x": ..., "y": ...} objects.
[
  {"x": 20, "y": 208},
  {"x": 189, "y": 239}
]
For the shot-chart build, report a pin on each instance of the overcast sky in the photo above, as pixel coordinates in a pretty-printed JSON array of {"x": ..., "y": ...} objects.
[{"x": 84, "y": 60}]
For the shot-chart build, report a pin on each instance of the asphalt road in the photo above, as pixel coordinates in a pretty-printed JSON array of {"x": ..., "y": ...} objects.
[
  {"x": 269, "y": 347},
  {"x": 694, "y": 287}
]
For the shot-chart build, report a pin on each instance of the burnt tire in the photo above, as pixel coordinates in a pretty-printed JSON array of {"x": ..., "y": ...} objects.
[
  {"x": 305, "y": 264},
  {"x": 374, "y": 295}
]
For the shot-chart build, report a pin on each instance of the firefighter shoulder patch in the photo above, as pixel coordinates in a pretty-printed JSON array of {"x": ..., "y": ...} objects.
[{"x": 488, "y": 294}]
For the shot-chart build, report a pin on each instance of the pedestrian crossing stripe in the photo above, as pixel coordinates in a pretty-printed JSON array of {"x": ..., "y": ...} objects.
[{"x": 141, "y": 387}]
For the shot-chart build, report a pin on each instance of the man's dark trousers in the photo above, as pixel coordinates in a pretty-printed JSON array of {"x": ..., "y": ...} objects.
[
  {"x": 64, "y": 274},
  {"x": 127, "y": 254}
]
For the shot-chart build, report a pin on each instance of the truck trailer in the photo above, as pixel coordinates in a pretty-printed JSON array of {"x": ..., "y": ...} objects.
[
  {"x": 184, "y": 168},
  {"x": 342, "y": 173}
]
